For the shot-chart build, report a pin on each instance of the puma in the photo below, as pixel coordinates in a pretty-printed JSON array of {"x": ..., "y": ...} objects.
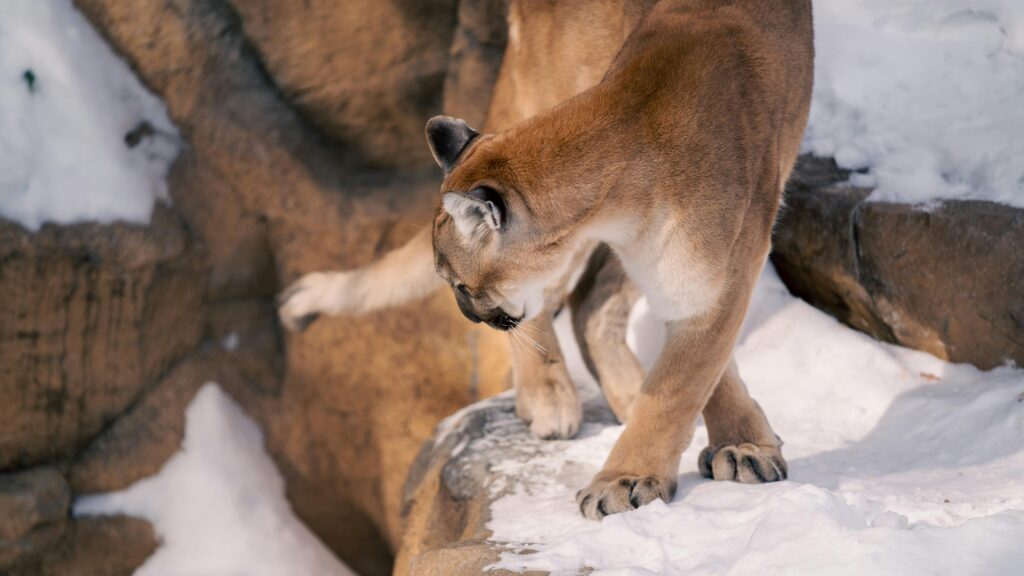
[{"x": 675, "y": 164}]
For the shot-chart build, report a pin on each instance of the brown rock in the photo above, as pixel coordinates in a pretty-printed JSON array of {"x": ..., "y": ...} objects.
[
  {"x": 143, "y": 438},
  {"x": 101, "y": 546},
  {"x": 241, "y": 356},
  {"x": 358, "y": 395},
  {"x": 33, "y": 513},
  {"x": 814, "y": 250},
  {"x": 947, "y": 280},
  {"x": 89, "y": 316},
  {"x": 369, "y": 75},
  {"x": 234, "y": 235},
  {"x": 475, "y": 59}
]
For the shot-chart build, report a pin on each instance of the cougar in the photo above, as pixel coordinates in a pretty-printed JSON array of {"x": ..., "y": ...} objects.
[{"x": 674, "y": 163}]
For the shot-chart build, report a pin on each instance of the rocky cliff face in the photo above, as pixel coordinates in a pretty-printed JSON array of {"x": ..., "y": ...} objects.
[{"x": 302, "y": 126}]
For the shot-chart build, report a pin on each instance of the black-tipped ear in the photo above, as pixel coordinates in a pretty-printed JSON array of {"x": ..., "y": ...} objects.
[{"x": 447, "y": 138}]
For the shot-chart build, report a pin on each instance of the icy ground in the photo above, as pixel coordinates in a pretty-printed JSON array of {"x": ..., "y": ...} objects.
[
  {"x": 66, "y": 104},
  {"x": 900, "y": 464},
  {"x": 219, "y": 506},
  {"x": 927, "y": 94}
]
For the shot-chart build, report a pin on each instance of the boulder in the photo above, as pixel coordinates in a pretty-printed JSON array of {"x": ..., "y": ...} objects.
[
  {"x": 947, "y": 279},
  {"x": 90, "y": 316},
  {"x": 33, "y": 514},
  {"x": 475, "y": 457},
  {"x": 242, "y": 355},
  {"x": 107, "y": 546},
  {"x": 367, "y": 75}
]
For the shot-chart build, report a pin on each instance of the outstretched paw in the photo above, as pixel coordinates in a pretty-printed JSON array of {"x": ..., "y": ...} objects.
[
  {"x": 302, "y": 302},
  {"x": 746, "y": 463},
  {"x": 618, "y": 493}
]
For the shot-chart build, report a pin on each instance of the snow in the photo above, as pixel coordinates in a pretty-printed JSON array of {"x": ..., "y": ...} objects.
[
  {"x": 925, "y": 95},
  {"x": 230, "y": 342},
  {"x": 900, "y": 463},
  {"x": 66, "y": 104},
  {"x": 219, "y": 504}
]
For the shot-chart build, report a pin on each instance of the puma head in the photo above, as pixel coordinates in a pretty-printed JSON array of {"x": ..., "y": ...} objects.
[{"x": 488, "y": 244}]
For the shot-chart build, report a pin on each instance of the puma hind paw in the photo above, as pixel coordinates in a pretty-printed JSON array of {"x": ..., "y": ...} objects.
[
  {"x": 745, "y": 463},
  {"x": 612, "y": 494}
]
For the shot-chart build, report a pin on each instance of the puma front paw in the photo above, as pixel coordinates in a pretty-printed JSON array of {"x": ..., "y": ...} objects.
[
  {"x": 552, "y": 409},
  {"x": 612, "y": 493},
  {"x": 746, "y": 463}
]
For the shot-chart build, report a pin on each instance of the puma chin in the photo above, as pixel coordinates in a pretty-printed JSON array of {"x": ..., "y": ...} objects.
[{"x": 495, "y": 261}]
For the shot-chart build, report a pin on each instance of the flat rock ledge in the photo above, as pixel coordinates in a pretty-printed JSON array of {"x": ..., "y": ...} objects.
[
  {"x": 477, "y": 456},
  {"x": 947, "y": 278}
]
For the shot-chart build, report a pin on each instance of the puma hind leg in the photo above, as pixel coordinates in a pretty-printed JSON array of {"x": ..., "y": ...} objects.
[
  {"x": 741, "y": 444},
  {"x": 601, "y": 304}
]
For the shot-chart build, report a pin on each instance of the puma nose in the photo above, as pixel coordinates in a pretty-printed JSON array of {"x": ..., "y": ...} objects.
[{"x": 467, "y": 311}]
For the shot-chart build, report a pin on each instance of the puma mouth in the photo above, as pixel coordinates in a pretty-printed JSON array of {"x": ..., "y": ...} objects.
[{"x": 503, "y": 322}]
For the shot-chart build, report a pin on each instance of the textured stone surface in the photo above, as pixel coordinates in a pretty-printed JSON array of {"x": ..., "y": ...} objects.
[
  {"x": 368, "y": 74},
  {"x": 291, "y": 112},
  {"x": 946, "y": 279},
  {"x": 89, "y": 316},
  {"x": 454, "y": 480},
  {"x": 242, "y": 356},
  {"x": 33, "y": 513},
  {"x": 107, "y": 546}
]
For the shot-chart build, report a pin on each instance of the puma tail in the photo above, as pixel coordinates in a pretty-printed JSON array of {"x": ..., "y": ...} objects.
[{"x": 401, "y": 276}]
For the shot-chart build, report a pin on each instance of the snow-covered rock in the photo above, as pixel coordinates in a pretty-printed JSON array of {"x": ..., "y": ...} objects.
[
  {"x": 219, "y": 504},
  {"x": 900, "y": 463},
  {"x": 949, "y": 280},
  {"x": 922, "y": 97}
]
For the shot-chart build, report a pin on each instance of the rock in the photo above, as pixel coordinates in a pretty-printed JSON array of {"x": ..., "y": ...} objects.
[
  {"x": 241, "y": 356},
  {"x": 304, "y": 130},
  {"x": 470, "y": 462},
  {"x": 475, "y": 59},
  {"x": 814, "y": 251},
  {"x": 147, "y": 435},
  {"x": 90, "y": 316},
  {"x": 235, "y": 236},
  {"x": 106, "y": 546},
  {"x": 369, "y": 75},
  {"x": 948, "y": 280},
  {"x": 33, "y": 513}
]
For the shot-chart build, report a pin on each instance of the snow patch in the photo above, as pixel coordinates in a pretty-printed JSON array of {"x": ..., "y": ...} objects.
[
  {"x": 219, "y": 505},
  {"x": 69, "y": 108},
  {"x": 900, "y": 463},
  {"x": 922, "y": 96}
]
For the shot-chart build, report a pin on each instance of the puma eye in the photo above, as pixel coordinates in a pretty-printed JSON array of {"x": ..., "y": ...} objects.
[{"x": 463, "y": 290}]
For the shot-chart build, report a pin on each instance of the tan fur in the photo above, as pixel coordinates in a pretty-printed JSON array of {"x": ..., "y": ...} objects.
[
  {"x": 556, "y": 49},
  {"x": 709, "y": 222},
  {"x": 676, "y": 160}
]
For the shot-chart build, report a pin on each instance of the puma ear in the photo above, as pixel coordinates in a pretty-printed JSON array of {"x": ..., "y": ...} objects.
[
  {"x": 472, "y": 214},
  {"x": 447, "y": 138}
]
